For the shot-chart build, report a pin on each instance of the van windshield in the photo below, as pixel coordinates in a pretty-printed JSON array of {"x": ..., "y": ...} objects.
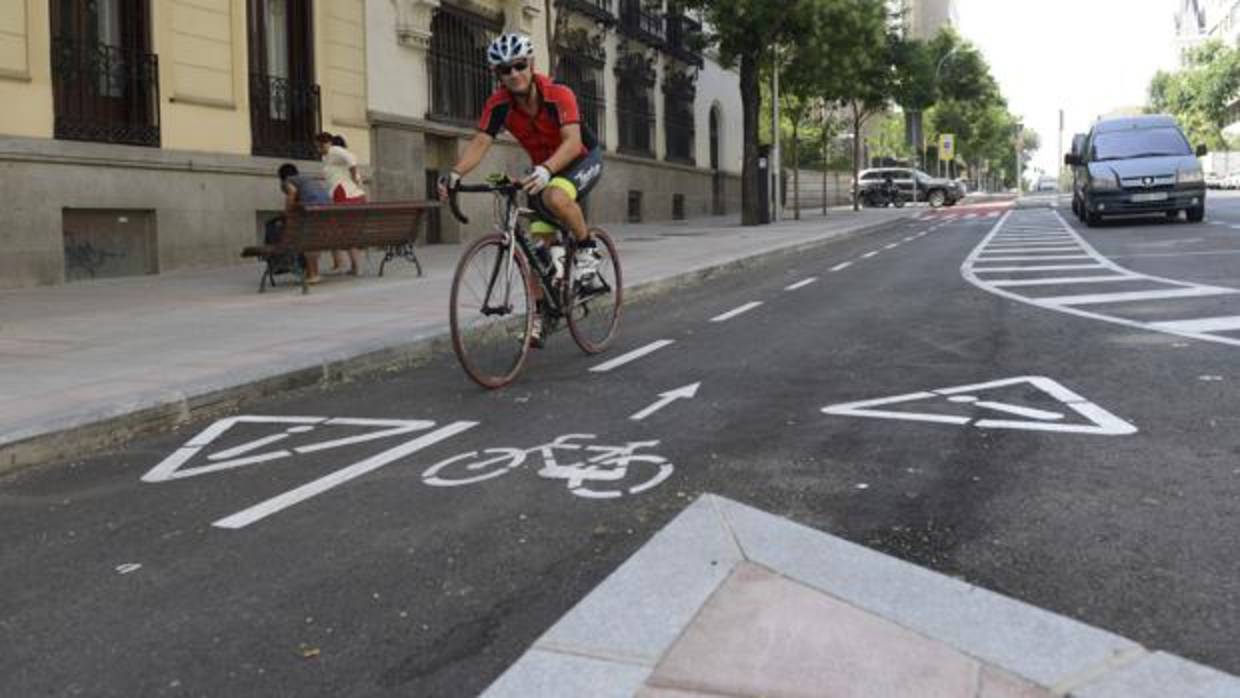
[{"x": 1140, "y": 143}]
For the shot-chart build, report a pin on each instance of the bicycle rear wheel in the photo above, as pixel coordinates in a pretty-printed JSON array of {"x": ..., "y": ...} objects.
[
  {"x": 490, "y": 312},
  {"x": 593, "y": 314}
]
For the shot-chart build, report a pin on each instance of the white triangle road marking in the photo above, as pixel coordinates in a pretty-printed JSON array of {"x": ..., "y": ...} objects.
[
  {"x": 1101, "y": 421},
  {"x": 170, "y": 468}
]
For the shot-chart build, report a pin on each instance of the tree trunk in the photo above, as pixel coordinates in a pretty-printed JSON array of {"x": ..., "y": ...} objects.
[
  {"x": 796, "y": 171},
  {"x": 750, "y": 99},
  {"x": 826, "y": 163},
  {"x": 856, "y": 157}
]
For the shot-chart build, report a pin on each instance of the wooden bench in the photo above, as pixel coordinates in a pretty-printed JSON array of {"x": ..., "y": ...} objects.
[{"x": 391, "y": 225}]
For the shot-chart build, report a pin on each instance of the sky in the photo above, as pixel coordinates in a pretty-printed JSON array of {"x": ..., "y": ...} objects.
[{"x": 1087, "y": 57}]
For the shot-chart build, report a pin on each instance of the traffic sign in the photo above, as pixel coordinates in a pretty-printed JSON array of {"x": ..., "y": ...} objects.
[{"x": 947, "y": 146}]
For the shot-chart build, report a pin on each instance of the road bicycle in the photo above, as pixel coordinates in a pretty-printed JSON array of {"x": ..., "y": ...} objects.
[
  {"x": 612, "y": 472},
  {"x": 499, "y": 274}
]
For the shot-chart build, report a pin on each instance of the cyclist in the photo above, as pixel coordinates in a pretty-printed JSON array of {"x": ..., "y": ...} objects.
[{"x": 567, "y": 160}]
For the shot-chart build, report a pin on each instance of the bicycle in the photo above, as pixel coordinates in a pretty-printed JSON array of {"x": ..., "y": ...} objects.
[
  {"x": 614, "y": 464},
  {"x": 491, "y": 315}
]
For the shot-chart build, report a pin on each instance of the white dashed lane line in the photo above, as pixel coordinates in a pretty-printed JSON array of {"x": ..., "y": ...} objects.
[
  {"x": 736, "y": 311},
  {"x": 631, "y": 356},
  {"x": 841, "y": 266},
  {"x": 801, "y": 284},
  {"x": 867, "y": 255}
]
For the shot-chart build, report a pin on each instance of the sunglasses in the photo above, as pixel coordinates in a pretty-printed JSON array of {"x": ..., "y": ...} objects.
[{"x": 506, "y": 69}]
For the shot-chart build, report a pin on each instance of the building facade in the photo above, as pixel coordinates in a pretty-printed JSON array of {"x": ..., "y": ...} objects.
[
  {"x": 922, "y": 19},
  {"x": 143, "y": 136}
]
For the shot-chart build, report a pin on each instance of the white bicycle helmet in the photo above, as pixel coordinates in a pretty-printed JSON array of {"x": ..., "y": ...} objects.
[{"x": 509, "y": 47}]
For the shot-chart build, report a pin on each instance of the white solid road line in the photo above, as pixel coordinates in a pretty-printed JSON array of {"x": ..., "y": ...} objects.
[
  {"x": 1157, "y": 294},
  {"x": 991, "y": 249},
  {"x": 801, "y": 284},
  {"x": 736, "y": 311},
  {"x": 841, "y": 266},
  {"x": 1046, "y": 267},
  {"x": 1208, "y": 324},
  {"x": 631, "y": 356},
  {"x": 327, "y": 482},
  {"x": 1065, "y": 280},
  {"x": 1035, "y": 258}
]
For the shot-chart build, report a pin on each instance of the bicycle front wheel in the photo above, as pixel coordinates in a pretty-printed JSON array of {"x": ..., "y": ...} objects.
[
  {"x": 491, "y": 313},
  {"x": 594, "y": 306}
]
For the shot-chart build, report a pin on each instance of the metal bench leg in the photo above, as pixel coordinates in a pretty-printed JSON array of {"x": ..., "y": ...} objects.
[{"x": 413, "y": 257}]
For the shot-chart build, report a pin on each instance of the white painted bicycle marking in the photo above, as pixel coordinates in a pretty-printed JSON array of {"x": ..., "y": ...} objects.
[
  {"x": 1101, "y": 422},
  {"x": 171, "y": 468},
  {"x": 801, "y": 284},
  {"x": 631, "y": 356},
  {"x": 300, "y": 494},
  {"x": 665, "y": 399},
  {"x": 591, "y": 478},
  {"x": 723, "y": 317}
]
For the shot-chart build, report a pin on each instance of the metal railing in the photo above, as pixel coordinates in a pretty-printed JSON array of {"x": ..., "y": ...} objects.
[
  {"x": 460, "y": 79},
  {"x": 644, "y": 25},
  {"x": 104, "y": 93},
  {"x": 598, "y": 9},
  {"x": 284, "y": 117},
  {"x": 684, "y": 37}
]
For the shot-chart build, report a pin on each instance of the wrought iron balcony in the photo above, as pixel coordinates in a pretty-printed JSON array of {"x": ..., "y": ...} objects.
[
  {"x": 647, "y": 26},
  {"x": 105, "y": 93},
  {"x": 284, "y": 117},
  {"x": 684, "y": 39},
  {"x": 601, "y": 10}
]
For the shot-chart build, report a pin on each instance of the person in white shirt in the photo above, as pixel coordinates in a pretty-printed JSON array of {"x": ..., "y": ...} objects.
[{"x": 344, "y": 184}]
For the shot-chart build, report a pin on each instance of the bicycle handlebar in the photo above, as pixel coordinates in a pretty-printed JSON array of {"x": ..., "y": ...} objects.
[{"x": 505, "y": 188}]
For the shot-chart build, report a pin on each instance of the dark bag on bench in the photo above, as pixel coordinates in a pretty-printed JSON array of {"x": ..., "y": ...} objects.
[{"x": 285, "y": 262}]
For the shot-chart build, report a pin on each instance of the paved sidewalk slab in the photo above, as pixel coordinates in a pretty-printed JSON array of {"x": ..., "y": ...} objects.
[
  {"x": 85, "y": 365},
  {"x": 780, "y": 609}
]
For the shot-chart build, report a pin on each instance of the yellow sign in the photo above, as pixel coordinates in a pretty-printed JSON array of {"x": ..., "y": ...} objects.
[{"x": 947, "y": 146}]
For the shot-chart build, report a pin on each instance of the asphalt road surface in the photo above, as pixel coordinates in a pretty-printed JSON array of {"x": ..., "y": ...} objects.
[{"x": 343, "y": 547}]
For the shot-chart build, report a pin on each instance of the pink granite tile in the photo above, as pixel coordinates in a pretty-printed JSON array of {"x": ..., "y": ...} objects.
[
  {"x": 763, "y": 635},
  {"x": 997, "y": 683}
]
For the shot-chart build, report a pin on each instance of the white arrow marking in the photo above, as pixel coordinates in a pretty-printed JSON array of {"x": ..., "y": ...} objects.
[{"x": 666, "y": 399}]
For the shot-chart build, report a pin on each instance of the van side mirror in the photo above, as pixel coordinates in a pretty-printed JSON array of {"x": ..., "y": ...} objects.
[
  {"x": 1072, "y": 159},
  {"x": 1201, "y": 151}
]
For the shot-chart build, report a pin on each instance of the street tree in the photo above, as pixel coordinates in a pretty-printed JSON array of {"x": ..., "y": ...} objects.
[
  {"x": 745, "y": 32},
  {"x": 1199, "y": 95}
]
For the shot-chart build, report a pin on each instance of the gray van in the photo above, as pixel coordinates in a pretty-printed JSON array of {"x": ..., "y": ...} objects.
[{"x": 1134, "y": 165}]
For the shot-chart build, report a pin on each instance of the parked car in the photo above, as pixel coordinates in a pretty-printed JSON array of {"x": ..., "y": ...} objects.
[
  {"x": 1139, "y": 164},
  {"x": 1215, "y": 181},
  {"x": 914, "y": 184},
  {"x": 1231, "y": 181}
]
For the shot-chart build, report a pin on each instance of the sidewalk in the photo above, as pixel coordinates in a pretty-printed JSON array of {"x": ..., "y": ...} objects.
[
  {"x": 90, "y": 364},
  {"x": 731, "y": 602}
]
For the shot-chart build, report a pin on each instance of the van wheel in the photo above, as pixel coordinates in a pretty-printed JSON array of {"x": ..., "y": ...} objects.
[{"x": 1196, "y": 215}]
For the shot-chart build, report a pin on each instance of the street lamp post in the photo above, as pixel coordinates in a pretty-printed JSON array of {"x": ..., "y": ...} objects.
[{"x": 925, "y": 146}]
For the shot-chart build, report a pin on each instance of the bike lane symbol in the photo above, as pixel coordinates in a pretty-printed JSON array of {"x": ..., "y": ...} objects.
[{"x": 600, "y": 476}]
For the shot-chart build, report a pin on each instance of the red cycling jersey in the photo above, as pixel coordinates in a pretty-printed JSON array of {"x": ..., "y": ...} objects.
[{"x": 538, "y": 134}]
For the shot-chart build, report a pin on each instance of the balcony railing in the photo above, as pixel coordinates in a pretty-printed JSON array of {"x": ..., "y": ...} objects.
[
  {"x": 105, "y": 93},
  {"x": 284, "y": 117},
  {"x": 601, "y": 10},
  {"x": 684, "y": 39},
  {"x": 644, "y": 25}
]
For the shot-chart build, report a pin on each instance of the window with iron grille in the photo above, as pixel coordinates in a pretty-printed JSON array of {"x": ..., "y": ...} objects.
[
  {"x": 635, "y": 104},
  {"x": 585, "y": 78},
  {"x": 678, "y": 126},
  {"x": 285, "y": 104},
  {"x": 105, "y": 82},
  {"x": 461, "y": 80}
]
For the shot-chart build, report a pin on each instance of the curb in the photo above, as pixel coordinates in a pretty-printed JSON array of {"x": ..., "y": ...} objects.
[{"x": 78, "y": 440}]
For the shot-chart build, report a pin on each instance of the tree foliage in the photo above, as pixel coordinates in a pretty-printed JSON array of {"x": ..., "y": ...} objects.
[{"x": 1199, "y": 95}]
